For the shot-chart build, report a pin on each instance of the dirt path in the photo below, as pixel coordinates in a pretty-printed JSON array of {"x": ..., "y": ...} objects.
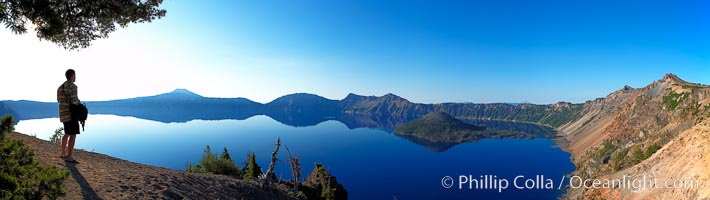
[{"x": 100, "y": 176}]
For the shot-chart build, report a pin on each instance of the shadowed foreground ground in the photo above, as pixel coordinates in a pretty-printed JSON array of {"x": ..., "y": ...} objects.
[{"x": 100, "y": 176}]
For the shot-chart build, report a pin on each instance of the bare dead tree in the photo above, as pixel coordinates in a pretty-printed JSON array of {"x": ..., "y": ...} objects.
[
  {"x": 270, "y": 172},
  {"x": 295, "y": 163}
]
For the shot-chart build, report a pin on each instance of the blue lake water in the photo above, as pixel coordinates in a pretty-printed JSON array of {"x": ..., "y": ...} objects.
[{"x": 370, "y": 163}]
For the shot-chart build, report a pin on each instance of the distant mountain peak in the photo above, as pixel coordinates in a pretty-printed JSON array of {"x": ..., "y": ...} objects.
[
  {"x": 184, "y": 91},
  {"x": 390, "y": 96},
  {"x": 625, "y": 89},
  {"x": 670, "y": 77},
  {"x": 301, "y": 98},
  {"x": 301, "y": 94}
]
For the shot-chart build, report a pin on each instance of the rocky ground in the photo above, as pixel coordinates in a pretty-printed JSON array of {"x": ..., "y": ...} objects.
[
  {"x": 683, "y": 160},
  {"x": 99, "y": 176}
]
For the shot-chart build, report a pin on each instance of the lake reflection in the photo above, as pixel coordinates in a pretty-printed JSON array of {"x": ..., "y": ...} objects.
[{"x": 370, "y": 163}]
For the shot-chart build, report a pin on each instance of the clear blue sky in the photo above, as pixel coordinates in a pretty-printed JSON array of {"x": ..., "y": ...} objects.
[{"x": 425, "y": 51}]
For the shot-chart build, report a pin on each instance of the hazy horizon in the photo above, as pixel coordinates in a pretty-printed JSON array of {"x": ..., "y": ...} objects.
[
  {"x": 426, "y": 52},
  {"x": 265, "y": 102}
]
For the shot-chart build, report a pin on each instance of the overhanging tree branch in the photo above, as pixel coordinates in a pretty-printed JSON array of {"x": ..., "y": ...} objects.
[{"x": 74, "y": 24}]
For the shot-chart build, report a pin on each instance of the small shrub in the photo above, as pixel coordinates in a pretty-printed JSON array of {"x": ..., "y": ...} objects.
[
  {"x": 320, "y": 184},
  {"x": 215, "y": 164},
  {"x": 57, "y": 137},
  {"x": 225, "y": 155},
  {"x": 619, "y": 159},
  {"x": 637, "y": 156},
  {"x": 21, "y": 177},
  {"x": 673, "y": 99},
  {"x": 7, "y": 125},
  {"x": 252, "y": 170},
  {"x": 652, "y": 149},
  {"x": 608, "y": 148}
]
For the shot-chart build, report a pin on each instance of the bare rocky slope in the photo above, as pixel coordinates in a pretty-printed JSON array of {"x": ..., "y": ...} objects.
[{"x": 658, "y": 130}]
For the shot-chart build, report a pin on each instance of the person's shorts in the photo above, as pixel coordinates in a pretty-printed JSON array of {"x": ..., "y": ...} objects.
[{"x": 71, "y": 127}]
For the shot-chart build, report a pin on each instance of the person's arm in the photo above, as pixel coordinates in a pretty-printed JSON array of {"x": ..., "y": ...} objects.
[
  {"x": 74, "y": 95},
  {"x": 60, "y": 94}
]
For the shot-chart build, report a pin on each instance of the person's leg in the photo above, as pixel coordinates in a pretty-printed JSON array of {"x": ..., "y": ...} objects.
[
  {"x": 70, "y": 155},
  {"x": 64, "y": 145}
]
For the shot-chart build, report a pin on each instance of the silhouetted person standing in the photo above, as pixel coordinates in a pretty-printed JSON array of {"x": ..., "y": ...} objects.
[{"x": 67, "y": 94}]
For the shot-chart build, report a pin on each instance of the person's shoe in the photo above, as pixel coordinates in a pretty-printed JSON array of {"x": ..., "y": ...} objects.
[{"x": 64, "y": 157}]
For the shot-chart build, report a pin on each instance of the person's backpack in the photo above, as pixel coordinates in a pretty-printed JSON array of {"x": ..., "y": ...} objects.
[{"x": 79, "y": 112}]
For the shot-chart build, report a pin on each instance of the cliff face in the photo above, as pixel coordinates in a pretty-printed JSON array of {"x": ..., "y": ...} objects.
[
  {"x": 387, "y": 106},
  {"x": 392, "y": 106},
  {"x": 551, "y": 115},
  {"x": 623, "y": 132},
  {"x": 594, "y": 118}
]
